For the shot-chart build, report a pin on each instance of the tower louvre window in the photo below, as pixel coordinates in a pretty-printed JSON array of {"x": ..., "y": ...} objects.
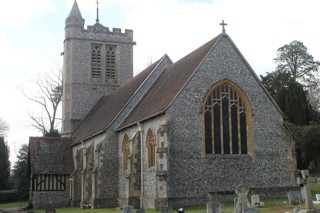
[
  {"x": 110, "y": 62},
  {"x": 96, "y": 61},
  {"x": 103, "y": 63},
  {"x": 225, "y": 121}
]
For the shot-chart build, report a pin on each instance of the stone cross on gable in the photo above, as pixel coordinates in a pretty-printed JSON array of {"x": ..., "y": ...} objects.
[{"x": 223, "y": 24}]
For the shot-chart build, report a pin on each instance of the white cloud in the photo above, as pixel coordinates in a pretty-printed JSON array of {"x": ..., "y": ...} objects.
[{"x": 16, "y": 13}]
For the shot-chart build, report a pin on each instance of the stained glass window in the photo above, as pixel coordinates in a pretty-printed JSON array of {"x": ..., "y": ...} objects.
[
  {"x": 125, "y": 151},
  {"x": 225, "y": 121},
  {"x": 151, "y": 148}
]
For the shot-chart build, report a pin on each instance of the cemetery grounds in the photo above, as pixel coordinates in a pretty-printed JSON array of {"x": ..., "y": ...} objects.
[{"x": 276, "y": 205}]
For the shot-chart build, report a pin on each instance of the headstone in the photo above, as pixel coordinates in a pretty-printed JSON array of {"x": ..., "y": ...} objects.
[
  {"x": 140, "y": 211},
  {"x": 318, "y": 197},
  {"x": 305, "y": 180},
  {"x": 250, "y": 210},
  {"x": 128, "y": 209},
  {"x": 166, "y": 210},
  {"x": 255, "y": 200},
  {"x": 242, "y": 203},
  {"x": 294, "y": 197},
  {"x": 214, "y": 207},
  {"x": 296, "y": 210},
  {"x": 50, "y": 211}
]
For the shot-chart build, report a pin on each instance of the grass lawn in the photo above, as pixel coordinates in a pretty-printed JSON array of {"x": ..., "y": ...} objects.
[{"x": 271, "y": 206}]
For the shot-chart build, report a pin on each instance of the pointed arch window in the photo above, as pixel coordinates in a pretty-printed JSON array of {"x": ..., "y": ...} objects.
[
  {"x": 151, "y": 144},
  {"x": 226, "y": 114},
  {"x": 96, "y": 61},
  {"x": 110, "y": 62},
  {"x": 104, "y": 63},
  {"x": 125, "y": 151}
]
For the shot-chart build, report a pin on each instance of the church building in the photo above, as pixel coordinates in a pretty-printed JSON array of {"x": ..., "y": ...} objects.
[{"x": 169, "y": 136}]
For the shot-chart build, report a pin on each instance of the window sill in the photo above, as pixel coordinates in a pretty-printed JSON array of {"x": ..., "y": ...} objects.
[{"x": 228, "y": 156}]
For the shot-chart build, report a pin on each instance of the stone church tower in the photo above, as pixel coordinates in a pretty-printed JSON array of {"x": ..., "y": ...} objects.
[{"x": 96, "y": 61}]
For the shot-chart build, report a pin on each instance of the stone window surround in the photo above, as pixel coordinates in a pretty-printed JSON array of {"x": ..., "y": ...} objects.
[
  {"x": 249, "y": 153},
  {"x": 102, "y": 75},
  {"x": 151, "y": 146}
]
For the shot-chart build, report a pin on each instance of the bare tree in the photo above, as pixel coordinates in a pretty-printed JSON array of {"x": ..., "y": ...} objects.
[
  {"x": 4, "y": 127},
  {"x": 49, "y": 97}
]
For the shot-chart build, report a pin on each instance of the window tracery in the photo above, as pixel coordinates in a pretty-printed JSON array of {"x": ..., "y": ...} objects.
[{"x": 225, "y": 121}]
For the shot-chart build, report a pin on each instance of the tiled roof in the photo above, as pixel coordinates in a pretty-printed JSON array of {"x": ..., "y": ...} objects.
[
  {"x": 109, "y": 106},
  {"x": 50, "y": 155},
  {"x": 168, "y": 85}
]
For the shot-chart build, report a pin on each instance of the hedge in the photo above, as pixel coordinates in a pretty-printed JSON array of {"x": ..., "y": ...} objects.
[{"x": 8, "y": 195}]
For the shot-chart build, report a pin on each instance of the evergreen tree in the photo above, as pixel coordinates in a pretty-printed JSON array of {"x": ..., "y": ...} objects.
[
  {"x": 4, "y": 164},
  {"x": 308, "y": 146},
  {"x": 20, "y": 171},
  {"x": 293, "y": 102}
]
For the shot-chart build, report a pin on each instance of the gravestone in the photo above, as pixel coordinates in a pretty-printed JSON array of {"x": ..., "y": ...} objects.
[
  {"x": 166, "y": 210},
  {"x": 294, "y": 197},
  {"x": 140, "y": 211},
  {"x": 305, "y": 180},
  {"x": 296, "y": 210},
  {"x": 128, "y": 209},
  {"x": 318, "y": 197},
  {"x": 255, "y": 200},
  {"x": 242, "y": 203},
  {"x": 214, "y": 207},
  {"x": 250, "y": 210},
  {"x": 50, "y": 211}
]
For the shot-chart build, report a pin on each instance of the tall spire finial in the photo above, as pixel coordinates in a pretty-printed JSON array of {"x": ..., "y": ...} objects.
[
  {"x": 97, "y": 20},
  {"x": 223, "y": 24}
]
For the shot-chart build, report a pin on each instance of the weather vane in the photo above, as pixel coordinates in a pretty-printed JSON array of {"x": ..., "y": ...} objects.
[
  {"x": 97, "y": 20},
  {"x": 223, "y": 24}
]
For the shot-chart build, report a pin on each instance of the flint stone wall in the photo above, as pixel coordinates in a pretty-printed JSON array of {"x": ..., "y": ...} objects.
[{"x": 192, "y": 174}]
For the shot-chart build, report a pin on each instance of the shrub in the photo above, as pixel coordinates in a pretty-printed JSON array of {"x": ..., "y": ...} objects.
[{"x": 8, "y": 195}]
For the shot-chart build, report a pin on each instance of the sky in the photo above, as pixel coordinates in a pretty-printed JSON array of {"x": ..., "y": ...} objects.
[{"x": 32, "y": 34}]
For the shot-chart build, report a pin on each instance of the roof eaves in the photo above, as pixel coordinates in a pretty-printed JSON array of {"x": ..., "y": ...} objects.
[
  {"x": 87, "y": 138},
  {"x": 140, "y": 121}
]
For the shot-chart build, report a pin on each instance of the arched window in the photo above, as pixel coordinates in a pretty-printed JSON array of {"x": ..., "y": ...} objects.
[
  {"x": 96, "y": 61},
  {"x": 151, "y": 148},
  {"x": 226, "y": 113},
  {"x": 125, "y": 151}
]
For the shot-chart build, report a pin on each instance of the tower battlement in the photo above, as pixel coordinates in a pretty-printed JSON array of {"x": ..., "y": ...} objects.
[
  {"x": 100, "y": 33},
  {"x": 99, "y": 28}
]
